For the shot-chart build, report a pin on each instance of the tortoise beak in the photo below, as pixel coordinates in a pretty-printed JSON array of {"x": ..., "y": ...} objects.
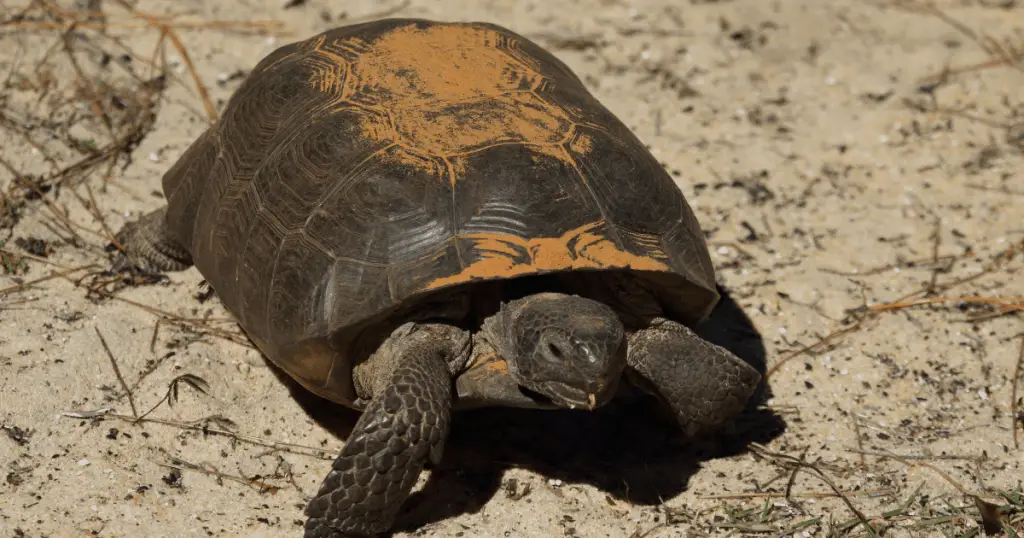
[{"x": 563, "y": 395}]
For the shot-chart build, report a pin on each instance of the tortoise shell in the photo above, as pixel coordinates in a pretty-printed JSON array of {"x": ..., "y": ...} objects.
[{"x": 360, "y": 171}]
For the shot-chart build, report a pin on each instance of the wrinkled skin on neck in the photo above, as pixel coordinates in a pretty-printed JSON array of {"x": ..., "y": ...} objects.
[{"x": 566, "y": 349}]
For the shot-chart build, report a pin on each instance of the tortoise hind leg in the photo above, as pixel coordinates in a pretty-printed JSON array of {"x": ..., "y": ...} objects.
[
  {"x": 149, "y": 246},
  {"x": 409, "y": 384},
  {"x": 703, "y": 384}
]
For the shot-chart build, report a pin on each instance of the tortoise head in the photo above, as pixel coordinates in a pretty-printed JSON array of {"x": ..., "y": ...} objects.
[{"x": 566, "y": 349}]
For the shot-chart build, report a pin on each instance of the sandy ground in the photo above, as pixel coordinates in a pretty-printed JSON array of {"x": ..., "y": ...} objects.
[{"x": 829, "y": 164}]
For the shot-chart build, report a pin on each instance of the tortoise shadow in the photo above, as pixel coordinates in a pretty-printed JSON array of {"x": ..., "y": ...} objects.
[{"x": 630, "y": 449}]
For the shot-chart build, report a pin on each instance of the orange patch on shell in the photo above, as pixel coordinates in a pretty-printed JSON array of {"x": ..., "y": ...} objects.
[
  {"x": 445, "y": 91},
  {"x": 506, "y": 256}
]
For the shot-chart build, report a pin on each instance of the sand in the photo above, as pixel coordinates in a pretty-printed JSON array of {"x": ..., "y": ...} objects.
[{"x": 840, "y": 155}]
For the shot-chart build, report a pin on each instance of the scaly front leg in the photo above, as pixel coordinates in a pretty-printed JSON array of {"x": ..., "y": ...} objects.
[
  {"x": 409, "y": 384},
  {"x": 702, "y": 383}
]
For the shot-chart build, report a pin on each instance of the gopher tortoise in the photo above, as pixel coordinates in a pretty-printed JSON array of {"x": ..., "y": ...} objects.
[{"x": 410, "y": 217}]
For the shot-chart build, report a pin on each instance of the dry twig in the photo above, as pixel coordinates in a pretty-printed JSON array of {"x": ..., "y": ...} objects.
[{"x": 117, "y": 372}]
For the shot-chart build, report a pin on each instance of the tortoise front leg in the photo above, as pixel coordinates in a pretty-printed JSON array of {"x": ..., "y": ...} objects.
[
  {"x": 409, "y": 384},
  {"x": 703, "y": 384},
  {"x": 149, "y": 246}
]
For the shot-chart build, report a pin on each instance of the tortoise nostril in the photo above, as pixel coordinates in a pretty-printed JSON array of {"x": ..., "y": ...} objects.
[{"x": 555, "y": 351}]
